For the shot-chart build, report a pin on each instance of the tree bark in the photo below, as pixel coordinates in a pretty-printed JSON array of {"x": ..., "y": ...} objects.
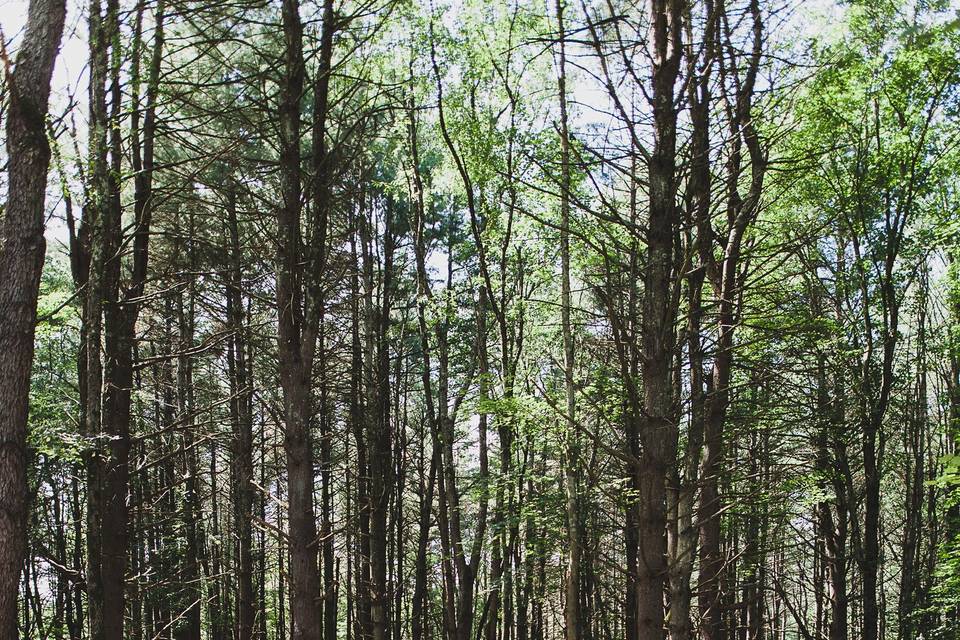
[
  {"x": 571, "y": 454},
  {"x": 241, "y": 415},
  {"x": 296, "y": 354},
  {"x": 21, "y": 261},
  {"x": 658, "y": 431}
]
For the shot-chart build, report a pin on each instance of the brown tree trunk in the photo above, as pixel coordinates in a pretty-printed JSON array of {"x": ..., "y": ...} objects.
[
  {"x": 108, "y": 384},
  {"x": 725, "y": 276},
  {"x": 118, "y": 342},
  {"x": 658, "y": 431},
  {"x": 379, "y": 440},
  {"x": 462, "y": 573},
  {"x": 322, "y": 162},
  {"x": 699, "y": 188},
  {"x": 21, "y": 261},
  {"x": 296, "y": 345},
  {"x": 241, "y": 415},
  {"x": 915, "y": 474},
  {"x": 684, "y": 532},
  {"x": 419, "y": 623},
  {"x": 571, "y": 454},
  {"x": 190, "y": 564},
  {"x": 89, "y": 255},
  {"x": 832, "y": 523}
]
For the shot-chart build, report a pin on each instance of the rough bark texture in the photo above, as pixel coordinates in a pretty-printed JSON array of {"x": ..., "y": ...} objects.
[
  {"x": 658, "y": 431},
  {"x": 21, "y": 260},
  {"x": 299, "y": 315},
  {"x": 725, "y": 277}
]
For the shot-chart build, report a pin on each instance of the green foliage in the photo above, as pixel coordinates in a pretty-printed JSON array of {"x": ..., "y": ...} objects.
[{"x": 52, "y": 427}]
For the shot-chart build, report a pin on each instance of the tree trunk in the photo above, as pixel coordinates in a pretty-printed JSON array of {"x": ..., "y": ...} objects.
[
  {"x": 379, "y": 440},
  {"x": 658, "y": 431},
  {"x": 241, "y": 416},
  {"x": 571, "y": 455},
  {"x": 21, "y": 261},
  {"x": 296, "y": 349}
]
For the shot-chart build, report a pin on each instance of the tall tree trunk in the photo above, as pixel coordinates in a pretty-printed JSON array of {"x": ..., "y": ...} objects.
[
  {"x": 699, "y": 188},
  {"x": 21, "y": 261},
  {"x": 461, "y": 577},
  {"x": 658, "y": 432},
  {"x": 93, "y": 258},
  {"x": 571, "y": 454},
  {"x": 915, "y": 450},
  {"x": 360, "y": 602},
  {"x": 725, "y": 276},
  {"x": 322, "y": 196},
  {"x": 684, "y": 532},
  {"x": 118, "y": 341},
  {"x": 379, "y": 440},
  {"x": 833, "y": 523},
  {"x": 296, "y": 345},
  {"x": 419, "y": 623},
  {"x": 109, "y": 384},
  {"x": 190, "y": 564},
  {"x": 241, "y": 416}
]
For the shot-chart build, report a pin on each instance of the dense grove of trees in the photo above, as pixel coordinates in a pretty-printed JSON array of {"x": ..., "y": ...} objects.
[{"x": 481, "y": 320}]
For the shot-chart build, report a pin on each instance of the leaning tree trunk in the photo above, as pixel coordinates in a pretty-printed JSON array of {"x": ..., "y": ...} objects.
[{"x": 21, "y": 261}]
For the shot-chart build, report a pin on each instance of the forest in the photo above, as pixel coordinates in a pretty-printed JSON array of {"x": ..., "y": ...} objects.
[{"x": 480, "y": 320}]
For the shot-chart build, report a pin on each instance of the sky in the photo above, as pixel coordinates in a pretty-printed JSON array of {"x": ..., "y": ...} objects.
[
  {"x": 71, "y": 63},
  {"x": 69, "y": 79}
]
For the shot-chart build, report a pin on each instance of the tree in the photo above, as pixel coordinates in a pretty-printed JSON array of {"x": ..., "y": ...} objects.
[
  {"x": 22, "y": 251},
  {"x": 498, "y": 320}
]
